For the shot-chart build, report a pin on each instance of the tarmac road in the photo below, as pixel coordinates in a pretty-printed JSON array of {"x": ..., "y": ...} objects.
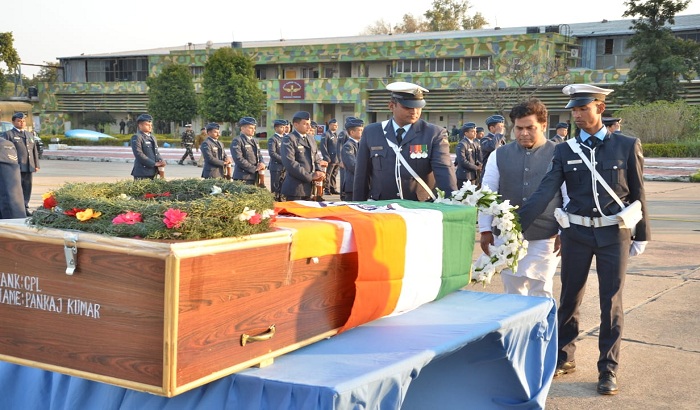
[{"x": 661, "y": 346}]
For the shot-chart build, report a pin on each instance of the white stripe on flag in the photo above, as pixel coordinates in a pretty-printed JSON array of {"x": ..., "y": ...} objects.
[{"x": 423, "y": 272}]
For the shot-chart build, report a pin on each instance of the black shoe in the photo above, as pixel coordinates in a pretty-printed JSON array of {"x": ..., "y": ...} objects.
[
  {"x": 565, "y": 368},
  {"x": 180, "y": 163},
  {"x": 607, "y": 383},
  {"x": 334, "y": 192}
]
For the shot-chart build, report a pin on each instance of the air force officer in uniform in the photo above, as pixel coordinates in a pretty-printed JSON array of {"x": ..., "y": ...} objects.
[
  {"x": 404, "y": 157},
  {"x": 593, "y": 230},
  {"x": 300, "y": 158},
  {"x": 147, "y": 159}
]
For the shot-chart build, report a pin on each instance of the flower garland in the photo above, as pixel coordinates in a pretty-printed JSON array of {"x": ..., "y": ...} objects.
[
  {"x": 511, "y": 247},
  {"x": 186, "y": 209}
]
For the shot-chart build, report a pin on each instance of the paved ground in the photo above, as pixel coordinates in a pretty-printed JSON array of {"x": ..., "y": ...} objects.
[{"x": 661, "y": 347}]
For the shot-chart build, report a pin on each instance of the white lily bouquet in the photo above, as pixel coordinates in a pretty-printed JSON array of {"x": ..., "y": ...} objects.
[{"x": 511, "y": 245}]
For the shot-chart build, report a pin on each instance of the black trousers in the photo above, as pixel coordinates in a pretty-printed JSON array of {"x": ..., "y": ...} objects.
[
  {"x": 27, "y": 178},
  {"x": 276, "y": 181},
  {"x": 577, "y": 251}
]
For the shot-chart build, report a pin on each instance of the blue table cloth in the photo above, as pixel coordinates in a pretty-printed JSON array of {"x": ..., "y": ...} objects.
[{"x": 467, "y": 350}]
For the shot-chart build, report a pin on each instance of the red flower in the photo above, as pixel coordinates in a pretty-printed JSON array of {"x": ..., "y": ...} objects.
[
  {"x": 50, "y": 202},
  {"x": 255, "y": 219},
  {"x": 174, "y": 218},
  {"x": 73, "y": 212},
  {"x": 128, "y": 218},
  {"x": 151, "y": 196}
]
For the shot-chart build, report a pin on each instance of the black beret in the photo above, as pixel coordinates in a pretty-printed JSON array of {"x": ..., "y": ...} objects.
[
  {"x": 562, "y": 125},
  {"x": 279, "y": 123},
  {"x": 468, "y": 126},
  {"x": 333, "y": 121},
  {"x": 17, "y": 115},
  {"x": 479, "y": 129},
  {"x": 212, "y": 126},
  {"x": 495, "y": 119}
]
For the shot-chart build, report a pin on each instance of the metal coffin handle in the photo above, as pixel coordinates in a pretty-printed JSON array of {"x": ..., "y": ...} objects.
[{"x": 266, "y": 335}]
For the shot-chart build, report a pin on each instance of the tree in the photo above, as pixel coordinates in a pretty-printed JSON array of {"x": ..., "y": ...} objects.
[
  {"x": 449, "y": 15},
  {"x": 47, "y": 74},
  {"x": 230, "y": 88},
  {"x": 444, "y": 16},
  {"x": 659, "y": 59},
  {"x": 171, "y": 95},
  {"x": 411, "y": 24},
  {"x": 9, "y": 56},
  {"x": 516, "y": 76}
]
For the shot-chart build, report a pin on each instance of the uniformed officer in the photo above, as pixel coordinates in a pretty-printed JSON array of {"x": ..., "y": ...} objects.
[
  {"x": 495, "y": 138},
  {"x": 468, "y": 156},
  {"x": 613, "y": 124},
  {"x": 300, "y": 159},
  {"x": 479, "y": 134},
  {"x": 216, "y": 162},
  {"x": 331, "y": 154},
  {"x": 348, "y": 155},
  {"x": 404, "y": 157},
  {"x": 27, "y": 154},
  {"x": 562, "y": 132},
  {"x": 11, "y": 197},
  {"x": 187, "y": 140},
  {"x": 593, "y": 229},
  {"x": 245, "y": 151},
  {"x": 148, "y": 162},
  {"x": 275, "y": 165}
]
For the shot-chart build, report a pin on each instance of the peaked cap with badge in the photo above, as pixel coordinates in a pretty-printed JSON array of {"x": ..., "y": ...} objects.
[
  {"x": 407, "y": 94},
  {"x": 582, "y": 94}
]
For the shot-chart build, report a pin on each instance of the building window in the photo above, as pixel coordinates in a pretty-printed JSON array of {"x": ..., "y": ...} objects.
[
  {"x": 117, "y": 69},
  {"x": 450, "y": 65},
  {"x": 308, "y": 72},
  {"x": 609, "y": 43},
  {"x": 261, "y": 73},
  {"x": 410, "y": 66},
  {"x": 477, "y": 63},
  {"x": 197, "y": 71}
]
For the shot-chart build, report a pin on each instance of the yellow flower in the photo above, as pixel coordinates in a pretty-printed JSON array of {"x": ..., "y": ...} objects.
[
  {"x": 47, "y": 195},
  {"x": 87, "y": 215}
]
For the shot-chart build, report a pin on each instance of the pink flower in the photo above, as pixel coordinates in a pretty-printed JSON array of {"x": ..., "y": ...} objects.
[
  {"x": 174, "y": 218},
  {"x": 128, "y": 218},
  {"x": 255, "y": 219}
]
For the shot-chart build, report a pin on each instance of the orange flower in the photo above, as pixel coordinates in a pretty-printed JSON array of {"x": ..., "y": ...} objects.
[{"x": 87, "y": 214}]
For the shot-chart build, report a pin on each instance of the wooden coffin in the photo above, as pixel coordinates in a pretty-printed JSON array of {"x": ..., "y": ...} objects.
[{"x": 162, "y": 317}]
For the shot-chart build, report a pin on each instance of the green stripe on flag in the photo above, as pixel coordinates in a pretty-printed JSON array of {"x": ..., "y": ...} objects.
[{"x": 459, "y": 231}]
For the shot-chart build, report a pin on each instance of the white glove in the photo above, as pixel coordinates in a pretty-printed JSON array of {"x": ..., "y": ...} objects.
[{"x": 637, "y": 247}]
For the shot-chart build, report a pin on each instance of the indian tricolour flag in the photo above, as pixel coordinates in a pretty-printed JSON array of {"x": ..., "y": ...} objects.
[{"x": 409, "y": 253}]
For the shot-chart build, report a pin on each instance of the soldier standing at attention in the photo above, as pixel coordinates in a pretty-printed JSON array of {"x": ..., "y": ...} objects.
[
  {"x": 215, "y": 159},
  {"x": 11, "y": 197},
  {"x": 593, "y": 229},
  {"x": 331, "y": 154},
  {"x": 187, "y": 140},
  {"x": 468, "y": 156},
  {"x": 148, "y": 162},
  {"x": 301, "y": 164},
  {"x": 275, "y": 165},
  {"x": 348, "y": 155},
  {"x": 495, "y": 138},
  {"x": 404, "y": 157},
  {"x": 562, "y": 132},
  {"x": 245, "y": 151},
  {"x": 27, "y": 154}
]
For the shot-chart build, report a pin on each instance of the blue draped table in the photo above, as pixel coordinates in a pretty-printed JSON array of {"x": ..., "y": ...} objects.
[{"x": 467, "y": 350}]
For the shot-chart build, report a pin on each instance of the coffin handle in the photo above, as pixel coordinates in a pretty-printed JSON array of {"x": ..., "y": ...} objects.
[{"x": 266, "y": 335}]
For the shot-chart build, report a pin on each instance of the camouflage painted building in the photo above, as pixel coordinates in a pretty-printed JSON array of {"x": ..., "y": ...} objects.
[{"x": 341, "y": 77}]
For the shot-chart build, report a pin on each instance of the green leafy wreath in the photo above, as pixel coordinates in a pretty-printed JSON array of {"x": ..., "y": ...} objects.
[{"x": 183, "y": 209}]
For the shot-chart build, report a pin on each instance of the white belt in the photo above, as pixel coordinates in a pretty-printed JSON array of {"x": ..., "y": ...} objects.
[{"x": 587, "y": 221}]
